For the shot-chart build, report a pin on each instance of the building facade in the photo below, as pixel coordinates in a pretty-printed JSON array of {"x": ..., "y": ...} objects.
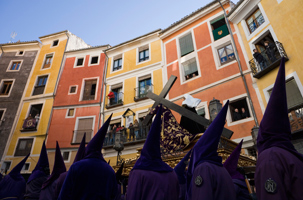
[
  {"x": 32, "y": 120},
  {"x": 277, "y": 23},
  {"x": 134, "y": 68},
  {"x": 198, "y": 50},
  {"x": 16, "y": 63},
  {"x": 77, "y": 103}
]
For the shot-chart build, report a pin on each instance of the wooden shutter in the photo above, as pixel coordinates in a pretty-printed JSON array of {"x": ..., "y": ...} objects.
[
  {"x": 84, "y": 126},
  {"x": 88, "y": 94},
  {"x": 186, "y": 44}
]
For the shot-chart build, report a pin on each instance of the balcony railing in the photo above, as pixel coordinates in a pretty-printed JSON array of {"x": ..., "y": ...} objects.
[
  {"x": 296, "y": 119},
  {"x": 141, "y": 92},
  {"x": 270, "y": 61},
  {"x": 78, "y": 135},
  {"x": 116, "y": 101},
  {"x": 129, "y": 135}
]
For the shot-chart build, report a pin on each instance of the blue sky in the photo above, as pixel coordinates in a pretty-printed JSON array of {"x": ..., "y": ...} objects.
[{"x": 97, "y": 22}]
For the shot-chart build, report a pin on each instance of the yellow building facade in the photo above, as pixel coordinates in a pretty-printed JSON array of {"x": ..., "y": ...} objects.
[
  {"x": 32, "y": 121},
  {"x": 134, "y": 68},
  {"x": 277, "y": 22}
]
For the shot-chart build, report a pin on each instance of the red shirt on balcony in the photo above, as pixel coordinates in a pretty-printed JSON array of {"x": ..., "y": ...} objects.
[{"x": 111, "y": 95}]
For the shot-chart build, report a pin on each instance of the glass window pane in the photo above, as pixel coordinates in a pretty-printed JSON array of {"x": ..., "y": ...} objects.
[
  {"x": 18, "y": 65},
  {"x": 44, "y": 82},
  {"x": 22, "y": 145}
]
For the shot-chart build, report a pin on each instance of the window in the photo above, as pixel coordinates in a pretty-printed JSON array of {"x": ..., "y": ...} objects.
[
  {"x": 293, "y": 94},
  {"x": 5, "y": 166},
  {"x": 55, "y": 43},
  {"x": 80, "y": 62},
  {"x": 89, "y": 90},
  {"x": 20, "y": 53},
  {"x": 219, "y": 28},
  {"x": 94, "y": 60},
  {"x": 70, "y": 112},
  {"x": 25, "y": 167},
  {"x": 24, "y": 147},
  {"x": 1, "y": 114},
  {"x": 40, "y": 85},
  {"x": 84, "y": 126},
  {"x": 186, "y": 44},
  {"x": 145, "y": 86},
  {"x": 201, "y": 112},
  {"x": 72, "y": 89},
  {"x": 35, "y": 111},
  {"x": 255, "y": 20},
  {"x": 15, "y": 66},
  {"x": 252, "y": 152},
  {"x": 6, "y": 87},
  {"x": 118, "y": 95},
  {"x": 144, "y": 55},
  {"x": 117, "y": 64},
  {"x": 48, "y": 61},
  {"x": 65, "y": 155},
  {"x": 226, "y": 54},
  {"x": 190, "y": 69},
  {"x": 239, "y": 109}
]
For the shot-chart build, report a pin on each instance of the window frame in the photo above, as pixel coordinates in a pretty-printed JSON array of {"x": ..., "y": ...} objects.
[
  {"x": 254, "y": 19},
  {"x": 179, "y": 46},
  {"x": 26, "y": 170},
  {"x": 69, "y": 93},
  {"x": 41, "y": 113},
  {"x": 138, "y": 62},
  {"x": 228, "y": 60},
  {"x": 2, "y": 117},
  {"x": 183, "y": 72},
  {"x": 50, "y": 66},
  {"x": 67, "y": 111},
  {"x": 90, "y": 60},
  {"x": 37, "y": 81},
  {"x": 113, "y": 69},
  {"x": 11, "y": 88},
  {"x": 77, "y": 123},
  {"x": 10, "y": 65},
  {"x": 83, "y": 85},
  {"x": 57, "y": 43},
  {"x": 69, "y": 156},
  {"x": 76, "y": 61},
  {"x": 18, "y": 53},
  {"x": 6, "y": 161},
  {"x": 23, "y": 138}
]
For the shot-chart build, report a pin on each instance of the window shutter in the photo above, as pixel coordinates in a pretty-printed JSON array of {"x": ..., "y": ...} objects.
[
  {"x": 186, "y": 44},
  {"x": 84, "y": 126}
]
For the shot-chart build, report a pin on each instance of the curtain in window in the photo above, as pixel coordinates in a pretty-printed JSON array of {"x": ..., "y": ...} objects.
[{"x": 190, "y": 67}]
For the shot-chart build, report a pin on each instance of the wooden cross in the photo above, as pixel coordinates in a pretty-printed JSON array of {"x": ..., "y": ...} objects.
[{"x": 183, "y": 111}]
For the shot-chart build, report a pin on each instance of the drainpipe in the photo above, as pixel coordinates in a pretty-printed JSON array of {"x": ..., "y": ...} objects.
[
  {"x": 101, "y": 113},
  {"x": 56, "y": 86},
  {"x": 239, "y": 65}
]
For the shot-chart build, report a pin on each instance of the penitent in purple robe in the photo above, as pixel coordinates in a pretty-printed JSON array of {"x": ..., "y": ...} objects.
[
  {"x": 49, "y": 186},
  {"x": 241, "y": 190},
  {"x": 91, "y": 178},
  {"x": 279, "y": 166},
  {"x": 12, "y": 186},
  {"x": 151, "y": 178},
  {"x": 206, "y": 176},
  {"x": 38, "y": 177}
]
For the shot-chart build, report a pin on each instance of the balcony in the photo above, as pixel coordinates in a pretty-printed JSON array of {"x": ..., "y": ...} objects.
[
  {"x": 30, "y": 124},
  {"x": 220, "y": 32},
  {"x": 116, "y": 101},
  {"x": 141, "y": 92},
  {"x": 78, "y": 135},
  {"x": 296, "y": 119},
  {"x": 129, "y": 136},
  {"x": 269, "y": 63}
]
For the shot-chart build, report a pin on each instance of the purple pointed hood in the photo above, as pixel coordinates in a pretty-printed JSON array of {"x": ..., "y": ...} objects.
[
  {"x": 119, "y": 173},
  {"x": 59, "y": 167},
  {"x": 231, "y": 163},
  {"x": 81, "y": 151},
  {"x": 15, "y": 173},
  {"x": 180, "y": 168},
  {"x": 275, "y": 128},
  {"x": 93, "y": 148},
  {"x": 150, "y": 158},
  {"x": 42, "y": 166}
]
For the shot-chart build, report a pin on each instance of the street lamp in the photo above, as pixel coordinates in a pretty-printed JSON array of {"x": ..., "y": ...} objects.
[
  {"x": 119, "y": 146},
  {"x": 214, "y": 108}
]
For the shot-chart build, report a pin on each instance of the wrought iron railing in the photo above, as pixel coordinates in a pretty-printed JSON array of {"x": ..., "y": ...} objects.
[
  {"x": 78, "y": 135},
  {"x": 267, "y": 61},
  {"x": 256, "y": 23},
  {"x": 296, "y": 119},
  {"x": 128, "y": 135},
  {"x": 115, "y": 101},
  {"x": 141, "y": 92}
]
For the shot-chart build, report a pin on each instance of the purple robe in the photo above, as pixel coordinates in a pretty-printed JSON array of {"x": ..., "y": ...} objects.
[
  {"x": 60, "y": 182},
  {"x": 90, "y": 178},
  {"x": 150, "y": 185},
  {"x": 241, "y": 190},
  {"x": 48, "y": 192},
  {"x": 285, "y": 169},
  {"x": 10, "y": 187},
  {"x": 216, "y": 183},
  {"x": 33, "y": 188}
]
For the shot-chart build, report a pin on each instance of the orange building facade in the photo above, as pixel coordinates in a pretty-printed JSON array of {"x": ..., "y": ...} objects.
[
  {"x": 199, "y": 51},
  {"x": 78, "y": 101}
]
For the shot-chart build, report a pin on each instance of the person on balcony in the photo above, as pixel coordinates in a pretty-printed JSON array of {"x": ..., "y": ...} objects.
[
  {"x": 236, "y": 115},
  {"x": 131, "y": 132},
  {"x": 136, "y": 128},
  {"x": 244, "y": 113},
  {"x": 270, "y": 51},
  {"x": 111, "y": 97},
  {"x": 260, "y": 59}
]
